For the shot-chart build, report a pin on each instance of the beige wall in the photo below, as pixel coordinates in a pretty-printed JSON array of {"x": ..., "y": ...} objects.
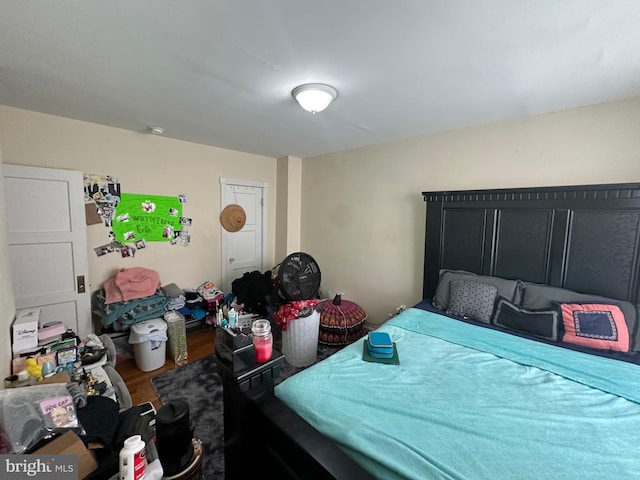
[
  {"x": 363, "y": 213},
  {"x": 144, "y": 164}
]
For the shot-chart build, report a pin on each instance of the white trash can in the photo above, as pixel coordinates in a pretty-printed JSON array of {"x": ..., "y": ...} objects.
[
  {"x": 300, "y": 340},
  {"x": 149, "y": 341}
]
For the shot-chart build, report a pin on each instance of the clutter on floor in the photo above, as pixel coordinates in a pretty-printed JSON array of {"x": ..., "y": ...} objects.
[
  {"x": 65, "y": 396},
  {"x": 51, "y": 393},
  {"x": 288, "y": 295},
  {"x": 136, "y": 295},
  {"x": 55, "y": 353},
  {"x": 134, "y": 299}
]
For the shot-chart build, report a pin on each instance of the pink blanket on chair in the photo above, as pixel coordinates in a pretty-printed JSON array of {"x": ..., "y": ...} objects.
[{"x": 131, "y": 284}]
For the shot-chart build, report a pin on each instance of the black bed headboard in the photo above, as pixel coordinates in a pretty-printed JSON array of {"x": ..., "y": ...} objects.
[{"x": 583, "y": 238}]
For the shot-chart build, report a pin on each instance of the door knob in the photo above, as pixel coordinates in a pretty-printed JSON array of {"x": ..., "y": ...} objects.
[{"x": 231, "y": 260}]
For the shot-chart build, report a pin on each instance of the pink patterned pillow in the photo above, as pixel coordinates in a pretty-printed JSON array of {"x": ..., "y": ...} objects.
[{"x": 595, "y": 325}]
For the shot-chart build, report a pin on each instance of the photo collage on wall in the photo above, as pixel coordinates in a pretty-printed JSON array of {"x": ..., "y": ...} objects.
[{"x": 134, "y": 219}]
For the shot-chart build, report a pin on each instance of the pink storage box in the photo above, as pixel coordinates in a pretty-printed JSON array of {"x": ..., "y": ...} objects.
[{"x": 51, "y": 331}]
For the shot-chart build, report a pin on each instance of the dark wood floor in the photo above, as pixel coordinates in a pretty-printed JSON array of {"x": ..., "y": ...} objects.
[{"x": 200, "y": 343}]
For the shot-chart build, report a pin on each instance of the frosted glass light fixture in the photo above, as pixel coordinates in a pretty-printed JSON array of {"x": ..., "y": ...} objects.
[{"x": 314, "y": 97}]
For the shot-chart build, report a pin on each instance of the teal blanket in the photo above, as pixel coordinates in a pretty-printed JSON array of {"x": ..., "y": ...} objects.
[{"x": 473, "y": 403}]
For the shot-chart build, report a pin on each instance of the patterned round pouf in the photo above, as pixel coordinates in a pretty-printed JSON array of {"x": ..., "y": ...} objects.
[{"x": 341, "y": 322}]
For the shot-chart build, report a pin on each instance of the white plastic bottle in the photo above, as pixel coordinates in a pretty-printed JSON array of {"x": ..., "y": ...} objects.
[{"x": 133, "y": 462}]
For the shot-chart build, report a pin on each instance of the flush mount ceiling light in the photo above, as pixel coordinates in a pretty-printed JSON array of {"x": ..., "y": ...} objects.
[
  {"x": 314, "y": 97},
  {"x": 156, "y": 130}
]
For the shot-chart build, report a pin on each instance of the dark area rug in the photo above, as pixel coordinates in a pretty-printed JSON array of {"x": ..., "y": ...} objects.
[{"x": 199, "y": 384}]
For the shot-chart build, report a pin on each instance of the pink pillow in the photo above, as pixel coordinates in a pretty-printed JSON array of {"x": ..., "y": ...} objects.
[{"x": 595, "y": 325}]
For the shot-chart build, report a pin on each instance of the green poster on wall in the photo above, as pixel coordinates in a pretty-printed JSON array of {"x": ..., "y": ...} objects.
[{"x": 153, "y": 218}]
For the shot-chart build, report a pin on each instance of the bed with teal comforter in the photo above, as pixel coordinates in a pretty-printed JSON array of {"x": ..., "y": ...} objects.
[{"x": 471, "y": 403}]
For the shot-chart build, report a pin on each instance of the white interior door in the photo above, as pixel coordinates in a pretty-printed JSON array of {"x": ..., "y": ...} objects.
[
  {"x": 242, "y": 251},
  {"x": 46, "y": 231}
]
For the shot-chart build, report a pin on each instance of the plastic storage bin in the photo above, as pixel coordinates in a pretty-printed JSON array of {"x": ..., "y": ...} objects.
[
  {"x": 149, "y": 341},
  {"x": 300, "y": 340}
]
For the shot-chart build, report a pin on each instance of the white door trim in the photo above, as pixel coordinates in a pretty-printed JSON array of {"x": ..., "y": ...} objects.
[{"x": 246, "y": 183}]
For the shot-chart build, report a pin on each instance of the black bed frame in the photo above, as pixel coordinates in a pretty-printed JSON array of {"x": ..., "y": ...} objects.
[{"x": 583, "y": 238}]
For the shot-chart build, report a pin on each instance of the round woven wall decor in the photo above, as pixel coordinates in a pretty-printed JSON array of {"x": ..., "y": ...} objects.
[{"x": 233, "y": 218}]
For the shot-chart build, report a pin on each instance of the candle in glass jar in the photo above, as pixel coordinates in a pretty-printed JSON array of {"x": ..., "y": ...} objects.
[{"x": 262, "y": 340}]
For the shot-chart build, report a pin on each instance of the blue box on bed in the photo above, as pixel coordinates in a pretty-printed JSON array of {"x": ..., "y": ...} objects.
[{"x": 380, "y": 345}]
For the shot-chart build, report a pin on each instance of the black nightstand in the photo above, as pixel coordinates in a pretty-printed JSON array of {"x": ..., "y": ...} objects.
[
  {"x": 243, "y": 382},
  {"x": 249, "y": 374}
]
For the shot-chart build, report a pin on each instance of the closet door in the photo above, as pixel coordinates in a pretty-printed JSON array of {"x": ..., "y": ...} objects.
[{"x": 242, "y": 251}]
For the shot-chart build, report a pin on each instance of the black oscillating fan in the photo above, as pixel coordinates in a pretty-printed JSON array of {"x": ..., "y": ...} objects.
[{"x": 299, "y": 277}]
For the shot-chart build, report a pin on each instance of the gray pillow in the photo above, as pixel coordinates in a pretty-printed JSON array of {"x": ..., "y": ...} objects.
[
  {"x": 472, "y": 300},
  {"x": 537, "y": 296},
  {"x": 509, "y": 289}
]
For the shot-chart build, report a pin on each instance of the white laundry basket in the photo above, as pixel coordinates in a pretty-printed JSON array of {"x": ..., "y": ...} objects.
[{"x": 300, "y": 340}]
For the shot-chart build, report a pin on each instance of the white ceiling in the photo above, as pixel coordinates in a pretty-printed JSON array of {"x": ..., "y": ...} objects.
[{"x": 220, "y": 72}]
